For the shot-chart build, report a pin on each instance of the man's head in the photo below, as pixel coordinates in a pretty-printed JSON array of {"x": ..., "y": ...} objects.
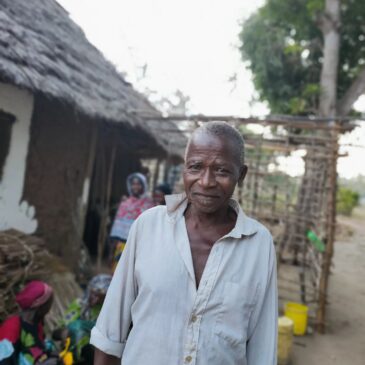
[
  {"x": 214, "y": 164},
  {"x": 159, "y": 193}
]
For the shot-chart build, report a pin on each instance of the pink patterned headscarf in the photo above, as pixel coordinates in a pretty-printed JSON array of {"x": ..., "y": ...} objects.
[{"x": 34, "y": 294}]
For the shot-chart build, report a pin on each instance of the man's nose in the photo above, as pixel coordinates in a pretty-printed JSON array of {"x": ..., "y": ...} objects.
[{"x": 207, "y": 179}]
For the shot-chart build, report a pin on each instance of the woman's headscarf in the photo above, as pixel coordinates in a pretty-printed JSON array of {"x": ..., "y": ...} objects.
[
  {"x": 142, "y": 179},
  {"x": 99, "y": 283},
  {"x": 34, "y": 294}
]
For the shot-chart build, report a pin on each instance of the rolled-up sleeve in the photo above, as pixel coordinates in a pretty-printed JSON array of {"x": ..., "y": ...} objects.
[
  {"x": 112, "y": 327},
  {"x": 262, "y": 343}
]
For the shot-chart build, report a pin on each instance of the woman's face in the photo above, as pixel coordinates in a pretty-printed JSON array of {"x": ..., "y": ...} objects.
[
  {"x": 96, "y": 298},
  {"x": 136, "y": 187},
  {"x": 44, "y": 309}
]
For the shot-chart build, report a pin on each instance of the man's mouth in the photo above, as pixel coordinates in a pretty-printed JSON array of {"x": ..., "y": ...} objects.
[{"x": 206, "y": 196}]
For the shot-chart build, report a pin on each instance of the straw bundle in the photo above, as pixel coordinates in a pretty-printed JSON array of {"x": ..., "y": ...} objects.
[{"x": 22, "y": 258}]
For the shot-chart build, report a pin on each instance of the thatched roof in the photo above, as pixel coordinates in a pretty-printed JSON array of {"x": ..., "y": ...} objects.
[{"x": 43, "y": 50}]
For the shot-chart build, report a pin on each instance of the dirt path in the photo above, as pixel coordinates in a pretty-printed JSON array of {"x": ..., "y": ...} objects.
[{"x": 344, "y": 344}]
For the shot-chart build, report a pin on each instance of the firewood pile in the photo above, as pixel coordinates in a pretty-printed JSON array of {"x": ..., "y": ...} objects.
[{"x": 22, "y": 258}]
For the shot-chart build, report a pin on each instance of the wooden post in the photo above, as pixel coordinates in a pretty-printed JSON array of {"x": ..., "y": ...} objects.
[
  {"x": 105, "y": 214},
  {"x": 274, "y": 199},
  {"x": 88, "y": 175},
  {"x": 166, "y": 170},
  {"x": 258, "y": 156},
  {"x": 331, "y": 230},
  {"x": 156, "y": 174}
]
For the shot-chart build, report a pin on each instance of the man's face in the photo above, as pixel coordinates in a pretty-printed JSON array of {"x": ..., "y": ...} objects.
[{"x": 211, "y": 172}]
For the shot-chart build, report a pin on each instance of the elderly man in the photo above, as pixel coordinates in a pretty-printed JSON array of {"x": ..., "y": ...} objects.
[{"x": 197, "y": 281}]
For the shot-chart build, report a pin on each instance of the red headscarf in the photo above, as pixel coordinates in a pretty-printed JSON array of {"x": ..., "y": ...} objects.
[{"x": 34, "y": 294}]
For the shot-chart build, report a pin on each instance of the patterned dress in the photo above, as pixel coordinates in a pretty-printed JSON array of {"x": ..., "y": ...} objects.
[
  {"x": 27, "y": 339},
  {"x": 128, "y": 211}
]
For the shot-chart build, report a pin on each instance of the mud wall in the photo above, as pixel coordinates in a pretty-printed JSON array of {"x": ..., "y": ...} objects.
[{"x": 57, "y": 158}]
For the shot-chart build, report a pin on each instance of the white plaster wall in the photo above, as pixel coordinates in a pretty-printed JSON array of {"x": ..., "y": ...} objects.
[{"x": 13, "y": 212}]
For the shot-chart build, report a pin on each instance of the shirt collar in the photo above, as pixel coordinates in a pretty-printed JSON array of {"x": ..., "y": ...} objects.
[{"x": 176, "y": 205}]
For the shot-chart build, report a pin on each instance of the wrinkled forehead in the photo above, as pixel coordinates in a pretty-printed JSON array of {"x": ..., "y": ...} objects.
[{"x": 204, "y": 143}]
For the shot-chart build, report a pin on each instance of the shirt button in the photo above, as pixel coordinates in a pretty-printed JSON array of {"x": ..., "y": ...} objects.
[
  {"x": 188, "y": 359},
  {"x": 194, "y": 318}
]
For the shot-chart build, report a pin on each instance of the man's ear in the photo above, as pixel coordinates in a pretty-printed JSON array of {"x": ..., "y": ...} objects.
[{"x": 243, "y": 172}]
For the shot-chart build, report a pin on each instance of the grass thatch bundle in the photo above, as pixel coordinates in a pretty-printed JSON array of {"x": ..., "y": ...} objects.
[{"x": 22, "y": 258}]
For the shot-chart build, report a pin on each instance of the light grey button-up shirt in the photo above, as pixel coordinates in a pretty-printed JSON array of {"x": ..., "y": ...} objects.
[{"x": 230, "y": 320}]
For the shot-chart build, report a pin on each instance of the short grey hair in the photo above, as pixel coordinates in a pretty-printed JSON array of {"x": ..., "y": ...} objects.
[{"x": 225, "y": 130}]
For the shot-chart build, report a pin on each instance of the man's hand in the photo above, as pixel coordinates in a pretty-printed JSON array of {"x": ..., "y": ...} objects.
[{"x": 101, "y": 358}]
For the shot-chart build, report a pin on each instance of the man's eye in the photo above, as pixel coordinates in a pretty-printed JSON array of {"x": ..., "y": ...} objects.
[
  {"x": 222, "y": 170},
  {"x": 195, "y": 167}
]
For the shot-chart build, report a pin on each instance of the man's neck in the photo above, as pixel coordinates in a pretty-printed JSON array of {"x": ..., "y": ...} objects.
[{"x": 202, "y": 219}]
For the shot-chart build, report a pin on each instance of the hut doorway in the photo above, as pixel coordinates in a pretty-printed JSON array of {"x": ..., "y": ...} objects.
[{"x": 112, "y": 163}]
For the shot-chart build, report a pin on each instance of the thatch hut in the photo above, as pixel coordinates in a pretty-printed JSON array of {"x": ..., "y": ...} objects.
[{"x": 70, "y": 129}]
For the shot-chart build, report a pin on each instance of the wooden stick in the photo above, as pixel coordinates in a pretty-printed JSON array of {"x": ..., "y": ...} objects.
[
  {"x": 294, "y": 122},
  {"x": 156, "y": 174},
  {"x": 89, "y": 169},
  {"x": 331, "y": 227},
  {"x": 104, "y": 220}
]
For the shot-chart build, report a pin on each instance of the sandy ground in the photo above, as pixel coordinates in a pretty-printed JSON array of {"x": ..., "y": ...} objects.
[{"x": 344, "y": 342}]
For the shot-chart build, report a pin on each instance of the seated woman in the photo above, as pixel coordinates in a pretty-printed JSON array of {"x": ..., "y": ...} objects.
[
  {"x": 24, "y": 332},
  {"x": 80, "y": 318}
]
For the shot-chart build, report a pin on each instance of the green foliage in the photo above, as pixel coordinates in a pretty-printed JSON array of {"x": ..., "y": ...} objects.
[
  {"x": 282, "y": 45},
  {"x": 347, "y": 200},
  {"x": 315, "y": 6},
  {"x": 357, "y": 184}
]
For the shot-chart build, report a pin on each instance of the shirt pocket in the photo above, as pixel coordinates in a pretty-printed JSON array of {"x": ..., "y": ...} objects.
[{"x": 234, "y": 313}]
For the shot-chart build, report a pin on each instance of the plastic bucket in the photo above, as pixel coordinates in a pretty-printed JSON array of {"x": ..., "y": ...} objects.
[
  {"x": 298, "y": 313},
  {"x": 285, "y": 340}
]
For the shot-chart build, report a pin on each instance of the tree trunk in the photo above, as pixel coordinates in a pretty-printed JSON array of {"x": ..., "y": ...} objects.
[
  {"x": 328, "y": 108},
  {"x": 330, "y": 23},
  {"x": 314, "y": 190}
]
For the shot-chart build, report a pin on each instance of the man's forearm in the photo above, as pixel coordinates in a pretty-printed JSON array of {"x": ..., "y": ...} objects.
[{"x": 101, "y": 358}]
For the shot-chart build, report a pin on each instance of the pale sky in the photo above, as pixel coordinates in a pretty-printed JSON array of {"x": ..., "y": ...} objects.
[{"x": 189, "y": 45}]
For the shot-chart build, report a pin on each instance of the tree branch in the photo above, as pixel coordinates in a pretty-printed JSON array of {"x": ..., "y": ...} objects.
[{"x": 356, "y": 89}]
